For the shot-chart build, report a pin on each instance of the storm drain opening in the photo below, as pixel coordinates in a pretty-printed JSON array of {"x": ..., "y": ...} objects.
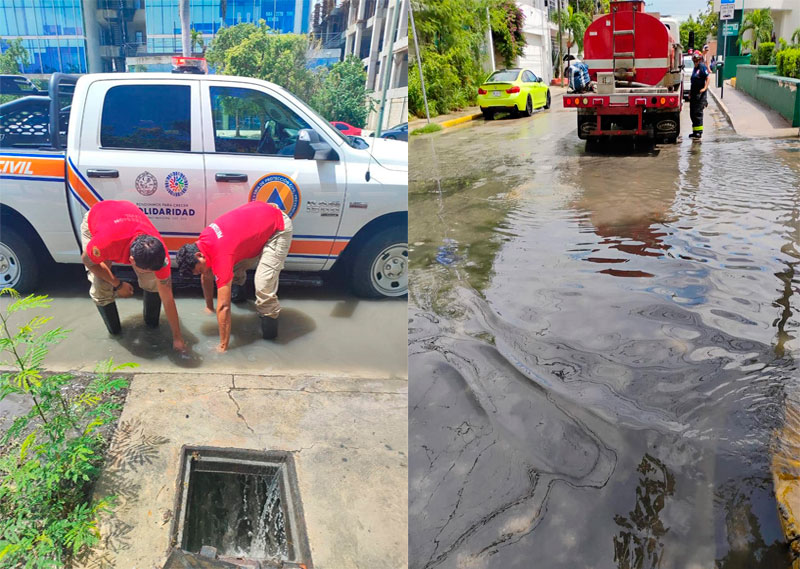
[{"x": 245, "y": 504}]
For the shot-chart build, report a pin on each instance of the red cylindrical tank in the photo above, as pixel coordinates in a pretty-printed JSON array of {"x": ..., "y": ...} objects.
[{"x": 637, "y": 33}]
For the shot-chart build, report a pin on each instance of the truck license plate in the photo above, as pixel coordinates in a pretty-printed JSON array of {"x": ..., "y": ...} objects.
[{"x": 496, "y": 93}]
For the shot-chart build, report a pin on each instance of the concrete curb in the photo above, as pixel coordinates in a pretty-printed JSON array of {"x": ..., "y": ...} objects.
[
  {"x": 723, "y": 107},
  {"x": 460, "y": 120}
]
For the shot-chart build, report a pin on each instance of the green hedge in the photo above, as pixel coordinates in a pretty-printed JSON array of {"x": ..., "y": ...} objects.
[
  {"x": 788, "y": 62},
  {"x": 764, "y": 54}
]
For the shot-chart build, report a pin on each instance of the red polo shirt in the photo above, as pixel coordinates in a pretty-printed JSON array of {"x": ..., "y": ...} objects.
[
  {"x": 114, "y": 225},
  {"x": 238, "y": 235}
]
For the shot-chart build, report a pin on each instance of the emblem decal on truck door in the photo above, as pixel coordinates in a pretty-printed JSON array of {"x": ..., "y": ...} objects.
[
  {"x": 176, "y": 184},
  {"x": 146, "y": 184},
  {"x": 277, "y": 189}
]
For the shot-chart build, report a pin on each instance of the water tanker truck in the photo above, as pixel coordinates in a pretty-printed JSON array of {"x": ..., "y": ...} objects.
[{"x": 635, "y": 64}]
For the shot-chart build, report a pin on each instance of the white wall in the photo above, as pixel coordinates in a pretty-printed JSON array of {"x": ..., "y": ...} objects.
[{"x": 537, "y": 56}]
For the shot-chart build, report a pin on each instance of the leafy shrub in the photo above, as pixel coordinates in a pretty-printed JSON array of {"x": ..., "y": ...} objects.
[
  {"x": 50, "y": 456},
  {"x": 342, "y": 95},
  {"x": 763, "y": 54},
  {"x": 788, "y": 62}
]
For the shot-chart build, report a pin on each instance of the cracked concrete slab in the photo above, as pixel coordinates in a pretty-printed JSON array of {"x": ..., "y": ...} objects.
[{"x": 348, "y": 436}]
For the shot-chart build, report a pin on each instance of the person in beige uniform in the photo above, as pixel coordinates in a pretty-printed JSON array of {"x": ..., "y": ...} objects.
[{"x": 256, "y": 234}]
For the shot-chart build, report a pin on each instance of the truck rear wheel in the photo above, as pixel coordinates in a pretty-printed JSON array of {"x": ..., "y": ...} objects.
[
  {"x": 18, "y": 266},
  {"x": 380, "y": 269}
]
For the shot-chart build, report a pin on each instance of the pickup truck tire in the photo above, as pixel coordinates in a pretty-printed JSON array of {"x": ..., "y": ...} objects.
[
  {"x": 18, "y": 266},
  {"x": 380, "y": 269}
]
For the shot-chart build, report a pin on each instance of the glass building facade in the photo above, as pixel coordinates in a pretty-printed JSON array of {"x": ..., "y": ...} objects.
[
  {"x": 164, "y": 26},
  {"x": 52, "y": 32}
]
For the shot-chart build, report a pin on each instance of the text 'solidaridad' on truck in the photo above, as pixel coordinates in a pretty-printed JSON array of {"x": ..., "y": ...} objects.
[
  {"x": 186, "y": 149},
  {"x": 635, "y": 63}
]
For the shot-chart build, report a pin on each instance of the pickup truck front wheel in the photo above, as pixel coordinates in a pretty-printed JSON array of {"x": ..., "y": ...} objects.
[
  {"x": 18, "y": 267},
  {"x": 380, "y": 269}
]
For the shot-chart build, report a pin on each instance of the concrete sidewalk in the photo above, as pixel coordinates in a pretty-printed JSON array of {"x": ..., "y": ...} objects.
[
  {"x": 348, "y": 437},
  {"x": 750, "y": 117},
  {"x": 471, "y": 113}
]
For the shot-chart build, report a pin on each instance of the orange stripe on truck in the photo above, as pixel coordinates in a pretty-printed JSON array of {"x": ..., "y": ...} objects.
[
  {"x": 296, "y": 248},
  {"x": 80, "y": 188},
  {"x": 29, "y": 166}
]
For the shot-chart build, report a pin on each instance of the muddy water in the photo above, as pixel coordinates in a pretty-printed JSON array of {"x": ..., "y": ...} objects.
[
  {"x": 600, "y": 345},
  {"x": 323, "y": 330}
]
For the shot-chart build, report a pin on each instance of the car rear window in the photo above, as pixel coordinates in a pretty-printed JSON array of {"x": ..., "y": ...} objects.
[
  {"x": 506, "y": 75},
  {"x": 146, "y": 117}
]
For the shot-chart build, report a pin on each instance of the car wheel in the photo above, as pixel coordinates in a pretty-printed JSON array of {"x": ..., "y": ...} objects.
[
  {"x": 380, "y": 269},
  {"x": 18, "y": 266},
  {"x": 529, "y": 107},
  {"x": 547, "y": 103}
]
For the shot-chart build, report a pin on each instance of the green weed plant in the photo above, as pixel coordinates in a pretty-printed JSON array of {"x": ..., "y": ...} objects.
[{"x": 50, "y": 456}]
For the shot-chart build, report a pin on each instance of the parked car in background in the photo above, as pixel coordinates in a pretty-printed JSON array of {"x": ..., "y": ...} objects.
[
  {"x": 518, "y": 91},
  {"x": 688, "y": 67},
  {"x": 399, "y": 132},
  {"x": 345, "y": 128}
]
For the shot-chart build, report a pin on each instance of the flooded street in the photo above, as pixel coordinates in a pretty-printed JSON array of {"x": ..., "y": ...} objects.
[{"x": 601, "y": 344}]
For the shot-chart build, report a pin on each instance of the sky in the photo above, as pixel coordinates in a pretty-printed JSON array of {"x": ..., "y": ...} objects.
[{"x": 679, "y": 9}]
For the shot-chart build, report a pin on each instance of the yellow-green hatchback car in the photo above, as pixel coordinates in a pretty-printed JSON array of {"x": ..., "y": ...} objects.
[{"x": 518, "y": 91}]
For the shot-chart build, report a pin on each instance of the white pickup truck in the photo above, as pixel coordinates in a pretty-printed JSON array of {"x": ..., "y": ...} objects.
[{"x": 186, "y": 149}]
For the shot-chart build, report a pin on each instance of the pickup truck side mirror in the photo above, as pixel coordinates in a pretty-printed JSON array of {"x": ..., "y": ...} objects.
[{"x": 310, "y": 146}]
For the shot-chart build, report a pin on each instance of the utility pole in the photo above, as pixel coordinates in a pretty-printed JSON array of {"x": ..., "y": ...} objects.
[
  {"x": 560, "y": 41},
  {"x": 387, "y": 71},
  {"x": 419, "y": 61}
]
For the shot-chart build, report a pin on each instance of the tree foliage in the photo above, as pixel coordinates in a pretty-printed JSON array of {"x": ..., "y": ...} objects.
[
  {"x": 760, "y": 23},
  {"x": 253, "y": 50},
  {"x": 14, "y": 57},
  {"x": 51, "y": 455},
  {"x": 342, "y": 95},
  {"x": 506, "y": 20}
]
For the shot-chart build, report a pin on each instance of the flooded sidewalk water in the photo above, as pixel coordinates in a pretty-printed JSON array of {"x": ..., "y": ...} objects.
[{"x": 600, "y": 346}]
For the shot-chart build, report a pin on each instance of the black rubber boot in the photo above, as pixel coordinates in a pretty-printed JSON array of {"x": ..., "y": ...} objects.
[
  {"x": 111, "y": 318},
  {"x": 269, "y": 327},
  {"x": 152, "y": 309},
  {"x": 237, "y": 294}
]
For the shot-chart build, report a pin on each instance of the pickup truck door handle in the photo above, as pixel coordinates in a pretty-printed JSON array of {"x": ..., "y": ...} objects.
[
  {"x": 229, "y": 177},
  {"x": 93, "y": 173}
]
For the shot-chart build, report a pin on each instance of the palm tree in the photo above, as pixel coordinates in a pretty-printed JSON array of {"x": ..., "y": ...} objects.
[
  {"x": 760, "y": 22},
  {"x": 186, "y": 41},
  {"x": 576, "y": 23},
  {"x": 197, "y": 41}
]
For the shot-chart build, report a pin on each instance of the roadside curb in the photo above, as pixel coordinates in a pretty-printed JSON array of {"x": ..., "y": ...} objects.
[
  {"x": 723, "y": 107},
  {"x": 460, "y": 120}
]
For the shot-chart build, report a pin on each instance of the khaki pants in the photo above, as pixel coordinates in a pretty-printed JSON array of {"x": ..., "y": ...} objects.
[
  {"x": 268, "y": 268},
  {"x": 102, "y": 293}
]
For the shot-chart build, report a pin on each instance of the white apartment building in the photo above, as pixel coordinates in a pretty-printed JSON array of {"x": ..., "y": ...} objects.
[
  {"x": 369, "y": 37},
  {"x": 785, "y": 13},
  {"x": 538, "y": 55}
]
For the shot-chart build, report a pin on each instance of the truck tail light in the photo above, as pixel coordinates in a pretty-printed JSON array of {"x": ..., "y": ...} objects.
[
  {"x": 482, "y": 91},
  {"x": 567, "y": 101},
  {"x": 672, "y": 101},
  {"x": 663, "y": 100},
  {"x": 577, "y": 101},
  {"x": 513, "y": 89}
]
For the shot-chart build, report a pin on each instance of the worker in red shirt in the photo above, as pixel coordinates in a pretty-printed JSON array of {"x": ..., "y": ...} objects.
[
  {"x": 256, "y": 234},
  {"x": 119, "y": 232}
]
